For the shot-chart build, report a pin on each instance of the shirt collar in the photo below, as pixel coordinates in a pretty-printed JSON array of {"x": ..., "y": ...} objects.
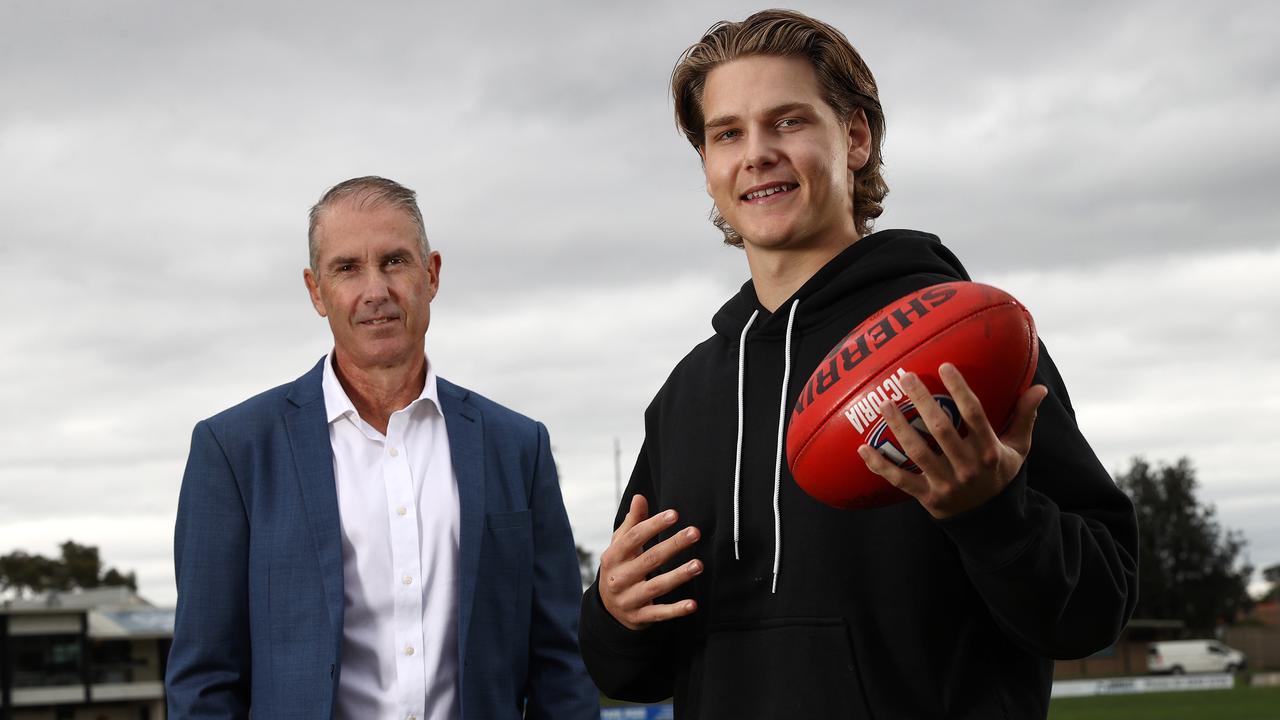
[{"x": 337, "y": 404}]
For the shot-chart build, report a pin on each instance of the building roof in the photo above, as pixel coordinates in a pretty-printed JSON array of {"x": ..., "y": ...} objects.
[
  {"x": 78, "y": 600},
  {"x": 113, "y": 612}
]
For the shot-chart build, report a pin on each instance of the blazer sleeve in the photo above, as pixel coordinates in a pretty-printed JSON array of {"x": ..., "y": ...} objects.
[
  {"x": 558, "y": 685},
  {"x": 208, "y": 673},
  {"x": 1055, "y": 554}
]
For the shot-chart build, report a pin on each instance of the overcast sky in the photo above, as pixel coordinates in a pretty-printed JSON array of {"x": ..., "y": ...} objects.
[{"x": 1112, "y": 165}]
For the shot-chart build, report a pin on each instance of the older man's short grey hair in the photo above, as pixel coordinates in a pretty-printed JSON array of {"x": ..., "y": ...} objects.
[{"x": 366, "y": 192}]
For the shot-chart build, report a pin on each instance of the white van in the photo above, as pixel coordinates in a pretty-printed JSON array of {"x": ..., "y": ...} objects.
[{"x": 1190, "y": 656}]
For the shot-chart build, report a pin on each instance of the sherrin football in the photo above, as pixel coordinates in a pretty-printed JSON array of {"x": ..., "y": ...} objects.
[{"x": 983, "y": 331}]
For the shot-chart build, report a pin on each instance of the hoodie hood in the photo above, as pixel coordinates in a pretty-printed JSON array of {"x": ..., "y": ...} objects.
[{"x": 876, "y": 258}]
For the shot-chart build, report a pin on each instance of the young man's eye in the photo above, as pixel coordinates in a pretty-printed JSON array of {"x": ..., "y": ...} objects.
[
  {"x": 728, "y": 135},
  {"x": 788, "y": 122}
]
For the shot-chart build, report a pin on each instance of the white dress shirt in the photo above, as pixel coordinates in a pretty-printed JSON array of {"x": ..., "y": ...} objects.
[{"x": 398, "y": 502}]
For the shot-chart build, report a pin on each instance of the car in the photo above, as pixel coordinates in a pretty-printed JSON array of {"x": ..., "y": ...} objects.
[{"x": 1193, "y": 656}]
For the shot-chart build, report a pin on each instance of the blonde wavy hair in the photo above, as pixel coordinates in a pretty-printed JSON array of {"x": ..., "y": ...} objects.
[{"x": 846, "y": 82}]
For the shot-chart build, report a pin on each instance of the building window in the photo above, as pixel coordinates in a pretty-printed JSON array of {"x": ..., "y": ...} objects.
[
  {"x": 41, "y": 661},
  {"x": 113, "y": 661}
]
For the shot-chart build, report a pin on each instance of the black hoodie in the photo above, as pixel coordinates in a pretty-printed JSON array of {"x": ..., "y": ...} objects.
[{"x": 882, "y": 613}]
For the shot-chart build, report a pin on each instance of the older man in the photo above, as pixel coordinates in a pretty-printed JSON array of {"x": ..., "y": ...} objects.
[{"x": 370, "y": 540}]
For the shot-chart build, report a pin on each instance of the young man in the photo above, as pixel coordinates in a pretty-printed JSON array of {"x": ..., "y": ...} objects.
[
  {"x": 371, "y": 540},
  {"x": 741, "y": 596}
]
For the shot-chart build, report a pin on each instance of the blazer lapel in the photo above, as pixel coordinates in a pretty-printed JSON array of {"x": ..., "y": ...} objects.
[
  {"x": 313, "y": 458},
  {"x": 465, "y": 427}
]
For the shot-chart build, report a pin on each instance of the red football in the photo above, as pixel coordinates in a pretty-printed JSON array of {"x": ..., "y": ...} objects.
[{"x": 983, "y": 331}]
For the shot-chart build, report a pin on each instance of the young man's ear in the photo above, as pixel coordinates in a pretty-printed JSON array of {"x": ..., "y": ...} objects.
[
  {"x": 859, "y": 140},
  {"x": 702, "y": 159}
]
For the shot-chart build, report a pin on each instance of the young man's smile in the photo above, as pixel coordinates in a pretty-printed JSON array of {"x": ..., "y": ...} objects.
[{"x": 766, "y": 192}]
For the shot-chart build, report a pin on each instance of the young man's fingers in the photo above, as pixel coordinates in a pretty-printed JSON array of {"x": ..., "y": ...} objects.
[
  {"x": 970, "y": 406},
  {"x": 666, "y": 582},
  {"x": 638, "y": 511},
  {"x": 914, "y": 485},
  {"x": 636, "y": 564},
  {"x": 1018, "y": 436},
  {"x": 939, "y": 423},
  {"x": 656, "y": 556},
  {"x": 623, "y": 545},
  {"x": 642, "y": 532},
  {"x": 912, "y": 443},
  {"x": 634, "y": 598},
  {"x": 666, "y": 611}
]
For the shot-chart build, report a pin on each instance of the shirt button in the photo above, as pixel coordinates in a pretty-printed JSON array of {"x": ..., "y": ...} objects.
[
  {"x": 408, "y": 650},
  {"x": 408, "y": 579},
  {"x": 402, "y": 510},
  {"x": 394, "y": 452}
]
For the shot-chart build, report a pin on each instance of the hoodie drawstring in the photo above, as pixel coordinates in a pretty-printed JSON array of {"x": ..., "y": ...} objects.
[
  {"x": 782, "y": 422},
  {"x": 737, "y": 463},
  {"x": 777, "y": 466}
]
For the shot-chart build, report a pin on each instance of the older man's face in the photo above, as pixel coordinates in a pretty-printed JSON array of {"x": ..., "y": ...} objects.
[{"x": 373, "y": 284}]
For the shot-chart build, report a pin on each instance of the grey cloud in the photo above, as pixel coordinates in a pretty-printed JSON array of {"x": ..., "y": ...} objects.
[{"x": 158, "y": 161}]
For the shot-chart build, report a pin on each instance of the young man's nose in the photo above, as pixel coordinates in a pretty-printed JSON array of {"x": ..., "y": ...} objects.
[{"x": 761, "y": 150}]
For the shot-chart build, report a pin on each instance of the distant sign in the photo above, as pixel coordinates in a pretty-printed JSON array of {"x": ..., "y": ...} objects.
[
  {"x": 639, "y": 712},
  {"x": 1134, "y": 685}
]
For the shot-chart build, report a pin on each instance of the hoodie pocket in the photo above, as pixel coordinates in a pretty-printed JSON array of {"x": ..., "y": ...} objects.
[{"x": 781, "y": 668}]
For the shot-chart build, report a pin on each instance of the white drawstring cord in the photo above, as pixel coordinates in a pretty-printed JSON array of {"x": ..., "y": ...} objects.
[
  {"x": 737, "y": 464},
  {"x": 777, "y": 467}
]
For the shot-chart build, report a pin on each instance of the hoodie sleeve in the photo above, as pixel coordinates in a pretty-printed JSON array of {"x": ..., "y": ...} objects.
[
  {"x": 626, "y": 664},
  {"x": 1055, "y": 554}
]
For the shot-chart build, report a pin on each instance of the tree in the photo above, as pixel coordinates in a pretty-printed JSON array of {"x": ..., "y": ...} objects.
[
  {"x": 81, "y": 564},
  {"x": 1272, "y": 575},
  {"x": 1189, "y": 568},
  {"x": 115, "y": 578},
  {"x": 79, "y": 567},
  {"x": 20, "y": 571}
]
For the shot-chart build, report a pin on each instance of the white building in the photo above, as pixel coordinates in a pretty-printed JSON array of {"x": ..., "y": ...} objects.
[{"x": 88, "y": 655}]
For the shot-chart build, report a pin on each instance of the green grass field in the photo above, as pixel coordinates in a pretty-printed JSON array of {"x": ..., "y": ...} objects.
[{"x": 1241, "y": 703}]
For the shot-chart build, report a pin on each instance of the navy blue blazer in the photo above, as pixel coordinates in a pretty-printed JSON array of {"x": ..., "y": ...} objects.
[{"x": 258, "y": 557}]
